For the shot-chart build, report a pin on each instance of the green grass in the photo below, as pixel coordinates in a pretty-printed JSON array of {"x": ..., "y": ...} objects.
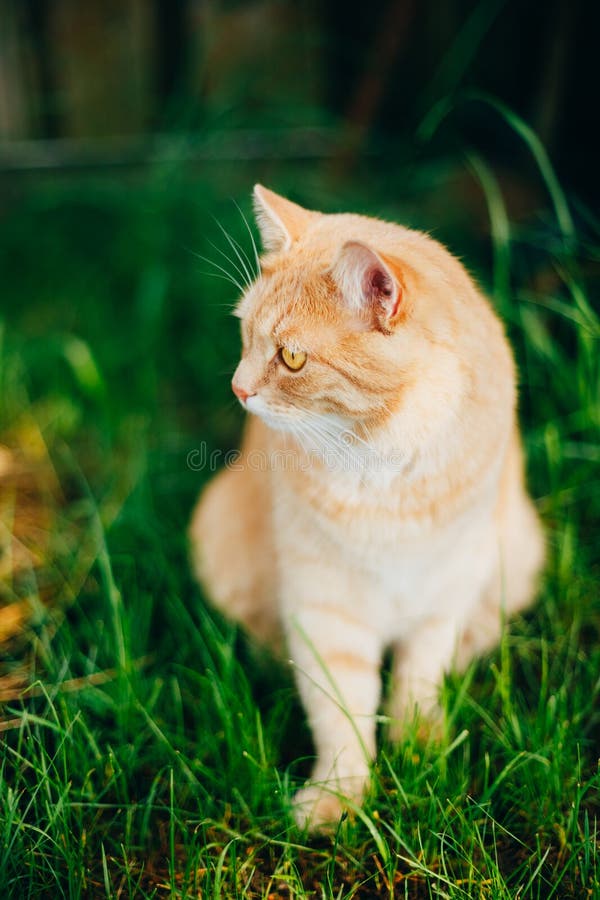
[{"x": 156, "y": 754}]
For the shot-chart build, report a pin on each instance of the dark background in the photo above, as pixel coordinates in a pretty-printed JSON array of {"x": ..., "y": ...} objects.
[{"x": 352, "y": 77}]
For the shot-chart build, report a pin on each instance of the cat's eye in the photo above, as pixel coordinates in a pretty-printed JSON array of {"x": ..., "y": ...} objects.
[{"x": 293, "y": 361}]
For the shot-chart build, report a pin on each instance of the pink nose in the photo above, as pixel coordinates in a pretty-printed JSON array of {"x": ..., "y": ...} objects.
[{"x": 239, "y": 392}]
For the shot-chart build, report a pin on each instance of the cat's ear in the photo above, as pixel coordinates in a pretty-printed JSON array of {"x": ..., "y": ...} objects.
[
  {"x": 280, "y": 221},
  {"x": 369, "y": 284}
]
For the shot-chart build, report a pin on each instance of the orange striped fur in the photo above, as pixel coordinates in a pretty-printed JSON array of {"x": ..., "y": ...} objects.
[{"x": 379, "y": 501}]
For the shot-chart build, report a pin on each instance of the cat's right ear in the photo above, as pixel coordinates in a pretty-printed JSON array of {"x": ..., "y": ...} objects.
[
  {"x": 280, "y": 221},
  {"x": 370, "y": 285}
]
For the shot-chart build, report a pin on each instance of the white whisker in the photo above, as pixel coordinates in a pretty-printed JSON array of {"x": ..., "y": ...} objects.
[
  {"x": 242, "y": 274},
  {"x": 254, "y": 247},
  {"x": 225, "y": 274},
  {"x": 243, "y": 260}
]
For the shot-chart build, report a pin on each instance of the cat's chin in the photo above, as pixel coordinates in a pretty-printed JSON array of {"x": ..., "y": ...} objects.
[{"x": 278, "y": 421}]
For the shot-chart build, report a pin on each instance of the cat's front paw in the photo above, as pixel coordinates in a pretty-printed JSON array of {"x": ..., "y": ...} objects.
[{"x": 316, "y": 809}]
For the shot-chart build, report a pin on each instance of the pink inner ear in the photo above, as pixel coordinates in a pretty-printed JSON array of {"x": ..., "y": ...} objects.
[{"x": 380, "y": 288}]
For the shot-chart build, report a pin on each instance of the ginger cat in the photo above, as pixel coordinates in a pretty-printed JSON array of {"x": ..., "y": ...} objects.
[{"x": 379, "y": 501}]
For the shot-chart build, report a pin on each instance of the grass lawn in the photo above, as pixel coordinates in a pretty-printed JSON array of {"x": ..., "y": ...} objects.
[{"x": 153, "y": 752}]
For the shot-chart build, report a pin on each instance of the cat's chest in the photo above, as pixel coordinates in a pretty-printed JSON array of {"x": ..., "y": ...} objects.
[
  {"x": 396, "y": 556},
  {"x": 383, "y": 519}
]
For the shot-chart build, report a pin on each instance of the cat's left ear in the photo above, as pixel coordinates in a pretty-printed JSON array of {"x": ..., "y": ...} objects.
[
  {"x": 370, "y": 285},
  {"x": 280, "y": 221}
]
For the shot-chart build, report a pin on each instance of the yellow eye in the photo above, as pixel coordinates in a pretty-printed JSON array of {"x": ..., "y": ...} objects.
[{"x": 293, "y": 361}]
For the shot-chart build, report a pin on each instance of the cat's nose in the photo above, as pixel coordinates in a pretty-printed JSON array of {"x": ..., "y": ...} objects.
[{"x": 239, "y": 392}]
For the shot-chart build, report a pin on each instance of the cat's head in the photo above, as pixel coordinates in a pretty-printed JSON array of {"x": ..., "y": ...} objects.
[{"x": 343, "y": 327}]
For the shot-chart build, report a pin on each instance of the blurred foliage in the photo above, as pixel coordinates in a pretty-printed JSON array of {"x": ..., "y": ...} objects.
[{"x": 369, "y": 72}]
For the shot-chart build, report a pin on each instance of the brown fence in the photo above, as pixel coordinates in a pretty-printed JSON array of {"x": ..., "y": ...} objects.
[
  {"x": 97, "y": 68},
  {"x": 96, "y": 81}
]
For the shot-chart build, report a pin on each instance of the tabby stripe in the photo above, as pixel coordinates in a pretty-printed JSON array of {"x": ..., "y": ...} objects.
[
  {"x": 361, "y": 383},
  {"x": 339, "y": 612},
  {"x": 347, "y": 659}
]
